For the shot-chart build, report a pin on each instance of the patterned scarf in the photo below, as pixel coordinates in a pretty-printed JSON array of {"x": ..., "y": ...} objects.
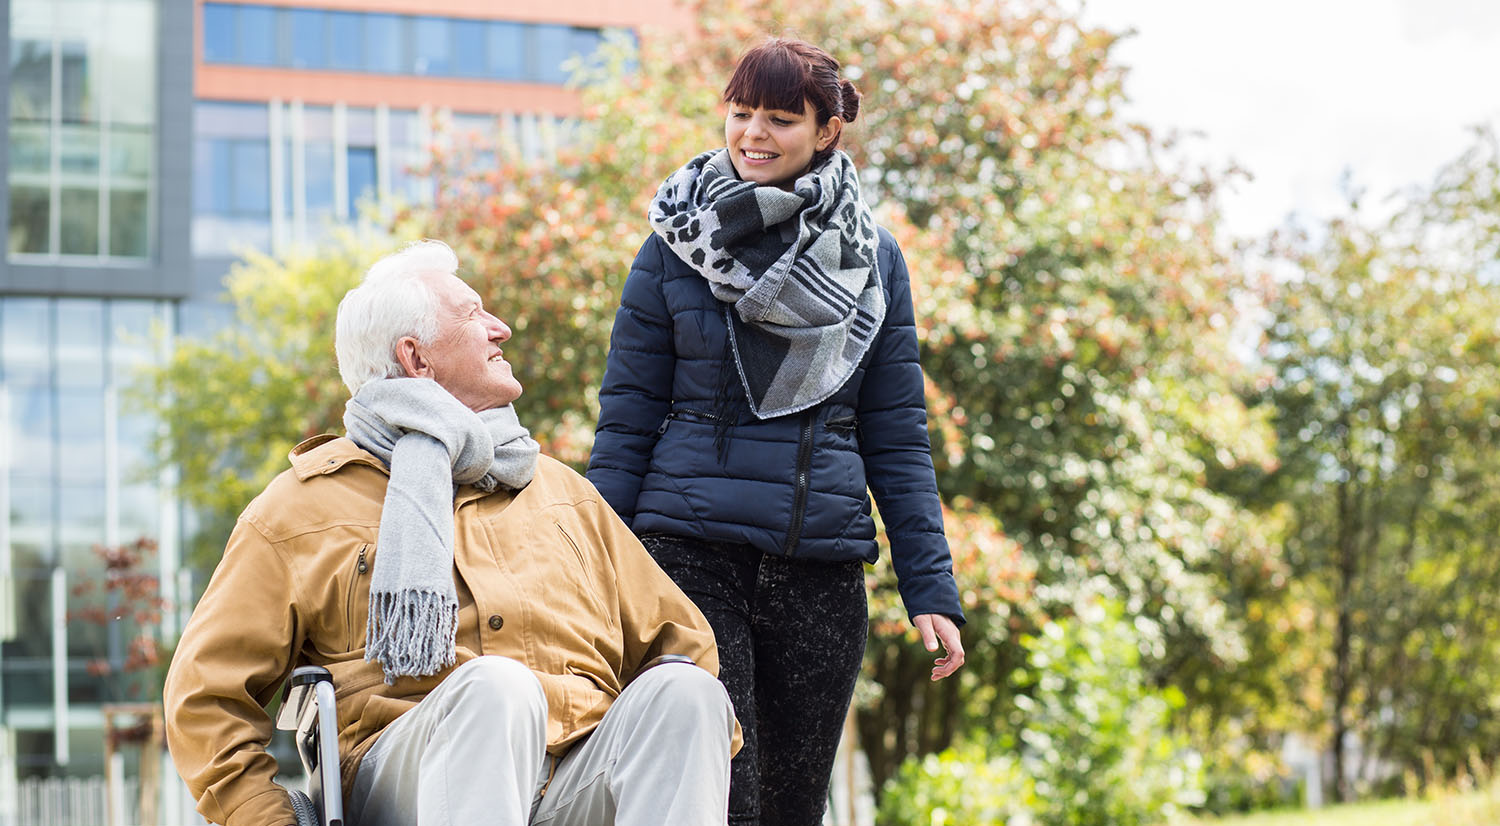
[
  {"x": 796, "y": 268},
  {"x": 432, "y": 444}
]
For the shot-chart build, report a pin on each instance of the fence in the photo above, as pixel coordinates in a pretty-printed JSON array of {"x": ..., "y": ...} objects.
[{"x": 70, "y": 801}]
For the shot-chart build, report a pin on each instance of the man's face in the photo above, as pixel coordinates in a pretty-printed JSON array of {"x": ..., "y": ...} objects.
[{"x": 464, "y": 356}]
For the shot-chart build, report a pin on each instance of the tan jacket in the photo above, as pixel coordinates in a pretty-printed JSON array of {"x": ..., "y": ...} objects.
[{"x": 550, "y": 577}]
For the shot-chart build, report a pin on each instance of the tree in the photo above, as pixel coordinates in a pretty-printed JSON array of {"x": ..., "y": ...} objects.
[
  {"x": 1384, "y": 345},
  {"x": 235, "y": 403},
  {"x": 1075, "y": 306},
  {"x": 1077, "y": 311}
]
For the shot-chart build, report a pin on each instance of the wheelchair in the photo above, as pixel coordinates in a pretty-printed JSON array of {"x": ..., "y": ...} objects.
[{"x": 307, "y": 708}]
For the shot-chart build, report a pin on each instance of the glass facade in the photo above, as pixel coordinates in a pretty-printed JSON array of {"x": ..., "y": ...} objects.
[
  {"x": 75, "y": 477},
  {"x": 318, "y": 39},
  {"x": 269, "y": 175},
  {"x": 81, "y": 130}
]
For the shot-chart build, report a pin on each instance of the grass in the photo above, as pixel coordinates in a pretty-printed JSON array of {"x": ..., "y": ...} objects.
[{"x": 1470, "y": 808}]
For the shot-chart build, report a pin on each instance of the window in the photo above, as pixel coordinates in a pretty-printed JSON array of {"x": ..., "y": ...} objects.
[
  {"x": 218, "y": 33},
  {"x": 408, "y": 139},
  {"x": 386, "y": 52},
  {"x": 425, "y": 45},
  {"x": 31, "y": 80},
  {"x": 346, "y": 37},
  {"x": 232, "y": 178},
  {"x": 309, "y": 39},
  {"x": 129, "y": 215},
  {"x": 431, "y": 54},
  {"x": 255, "y": 40},
  {"x": 80, "y": 221},
  {"x": 30, "y": 217},
  {"x": 468, "y": 48},
  {"x": 551, "y": 45},
  {"x": 56, "y": 369},
  {"x": 317, "y": 136},
  {"x": 75, "y": 90},
  {"x": 506, "y": 56},
  {"x": 361, "y": 168}
]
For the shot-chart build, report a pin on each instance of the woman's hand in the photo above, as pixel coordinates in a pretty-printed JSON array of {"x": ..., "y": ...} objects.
[{"x": 937, "y": 628}]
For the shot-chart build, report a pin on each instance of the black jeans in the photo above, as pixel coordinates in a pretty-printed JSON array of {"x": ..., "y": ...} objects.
[{"x": 791, "y": 636}]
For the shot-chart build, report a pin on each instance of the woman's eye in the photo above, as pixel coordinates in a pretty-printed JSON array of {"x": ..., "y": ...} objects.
[{"x": 781, "y": 121}]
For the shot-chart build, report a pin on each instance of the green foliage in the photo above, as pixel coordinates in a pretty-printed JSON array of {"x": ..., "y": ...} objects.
[
  {"x": 1073, "y": 302},
  {"x": 1090, "y": 742},
  {"x": 1387, "y": 361},
  {"x": 959, "y": 786},
  {"x": 1076, "y": 312},
  {"x": 548, "y": 242},
  {"x": 236, "y": 402}
]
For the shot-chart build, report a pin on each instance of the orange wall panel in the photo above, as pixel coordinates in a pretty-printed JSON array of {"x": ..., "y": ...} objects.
[
  {"x": 670, "y": 14},
  {"x": 245, "y": 83},
  {"x": 240, "y": 83}
]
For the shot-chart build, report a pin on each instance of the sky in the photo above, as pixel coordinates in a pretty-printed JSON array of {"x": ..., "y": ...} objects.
[{"x": 1298, "y": 92}]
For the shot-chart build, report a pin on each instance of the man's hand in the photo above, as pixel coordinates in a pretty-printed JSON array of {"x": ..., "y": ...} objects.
[{"x": 937, "y": 628}]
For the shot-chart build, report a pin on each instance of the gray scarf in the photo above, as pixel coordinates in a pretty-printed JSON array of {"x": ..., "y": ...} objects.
[
  {"x": 432, "y": 443},
  {"x": 798, "y": 269}
]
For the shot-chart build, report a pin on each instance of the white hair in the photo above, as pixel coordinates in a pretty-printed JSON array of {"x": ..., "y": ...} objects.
[{"x": 392, "y": 302}]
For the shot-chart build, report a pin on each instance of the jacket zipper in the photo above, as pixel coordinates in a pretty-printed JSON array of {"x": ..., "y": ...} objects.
[
  {"x": 685, "y": 414},
  {"x": 804, "y": 470},
  {"x": 360, "y": 568}
]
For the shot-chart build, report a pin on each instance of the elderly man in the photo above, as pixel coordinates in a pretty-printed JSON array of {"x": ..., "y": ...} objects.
[{"x": 488, "y": 621}]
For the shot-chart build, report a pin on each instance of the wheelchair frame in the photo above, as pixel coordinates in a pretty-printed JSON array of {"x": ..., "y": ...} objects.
[{"x": 308, "y": 710}]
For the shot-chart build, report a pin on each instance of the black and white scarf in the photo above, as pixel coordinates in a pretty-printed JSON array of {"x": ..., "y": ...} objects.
[
  {"x": 432, "y": 443},
  {"x": 796, "y": 271}
]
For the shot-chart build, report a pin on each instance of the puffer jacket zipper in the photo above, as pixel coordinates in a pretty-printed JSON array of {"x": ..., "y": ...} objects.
[
  {"x": 804, "y": 471},
  {"x": 686, "y": 414}
]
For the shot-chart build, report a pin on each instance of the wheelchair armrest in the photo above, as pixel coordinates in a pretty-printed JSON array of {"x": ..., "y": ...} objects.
[
  {"x": 307, "y": 708},
  {"x": 299, "y": 701},
  {"x": 663, "y": 660}
]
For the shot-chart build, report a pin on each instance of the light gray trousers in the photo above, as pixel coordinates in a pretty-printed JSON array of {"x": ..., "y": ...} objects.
[{"x": 473, "y": 753}]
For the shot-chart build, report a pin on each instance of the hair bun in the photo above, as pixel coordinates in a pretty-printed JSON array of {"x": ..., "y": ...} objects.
[{"x": 850, "y": 97}]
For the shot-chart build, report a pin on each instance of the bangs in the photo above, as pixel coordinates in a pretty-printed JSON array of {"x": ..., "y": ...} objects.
[{"x": 770, "y": 78}]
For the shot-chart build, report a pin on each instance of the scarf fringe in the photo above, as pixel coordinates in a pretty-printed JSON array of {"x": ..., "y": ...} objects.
[{"x": 411, "y": 633}]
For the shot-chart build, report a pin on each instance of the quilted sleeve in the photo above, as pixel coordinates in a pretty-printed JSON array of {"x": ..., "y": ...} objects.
[
  {"x": 637, "y": 389},
  {"x": 898, "y": 454}
]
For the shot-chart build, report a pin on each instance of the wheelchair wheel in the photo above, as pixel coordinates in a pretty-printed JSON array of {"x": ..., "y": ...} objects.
[{"x": 302, "y": 807}]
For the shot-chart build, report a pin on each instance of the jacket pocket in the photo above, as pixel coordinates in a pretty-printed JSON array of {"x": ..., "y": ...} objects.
[
  {"x": 357, "y": 579},
  {"x": 586, "y": 573},
  {"x": 842, "y": 425}
]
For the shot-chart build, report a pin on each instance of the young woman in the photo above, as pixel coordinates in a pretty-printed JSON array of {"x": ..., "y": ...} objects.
[{"x": 762, "y": 375}]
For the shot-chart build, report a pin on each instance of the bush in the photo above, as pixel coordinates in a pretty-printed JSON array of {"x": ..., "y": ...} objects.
[{"x": 1090, "y": 743}]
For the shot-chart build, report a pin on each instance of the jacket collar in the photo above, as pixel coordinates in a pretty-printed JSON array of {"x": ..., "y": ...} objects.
[{"x": 325, "y": 454}]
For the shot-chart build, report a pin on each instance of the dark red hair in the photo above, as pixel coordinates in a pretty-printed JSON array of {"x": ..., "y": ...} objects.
[{"x": 782, "y": 73}]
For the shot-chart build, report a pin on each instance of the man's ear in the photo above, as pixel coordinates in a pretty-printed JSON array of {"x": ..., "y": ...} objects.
[{"x": 413, "y": 363}]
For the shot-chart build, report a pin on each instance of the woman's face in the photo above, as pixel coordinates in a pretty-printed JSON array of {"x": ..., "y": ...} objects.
[{"x": 772, "y": 147}]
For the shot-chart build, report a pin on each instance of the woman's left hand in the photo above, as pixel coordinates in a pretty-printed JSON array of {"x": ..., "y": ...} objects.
[{"x": 937, "y": 628}]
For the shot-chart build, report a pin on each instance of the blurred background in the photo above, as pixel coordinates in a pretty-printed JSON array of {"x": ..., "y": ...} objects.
[{"x": 1208, "y": 296}]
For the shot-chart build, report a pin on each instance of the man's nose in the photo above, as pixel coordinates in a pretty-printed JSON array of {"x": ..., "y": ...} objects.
[{"x": 499, "y": 330}]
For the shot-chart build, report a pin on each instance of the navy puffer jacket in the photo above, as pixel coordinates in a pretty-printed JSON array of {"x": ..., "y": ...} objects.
[{"x": 793, "y": 485}]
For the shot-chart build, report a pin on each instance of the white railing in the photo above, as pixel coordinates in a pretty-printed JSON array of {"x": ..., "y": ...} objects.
[{"x": 67, "y": 801}]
